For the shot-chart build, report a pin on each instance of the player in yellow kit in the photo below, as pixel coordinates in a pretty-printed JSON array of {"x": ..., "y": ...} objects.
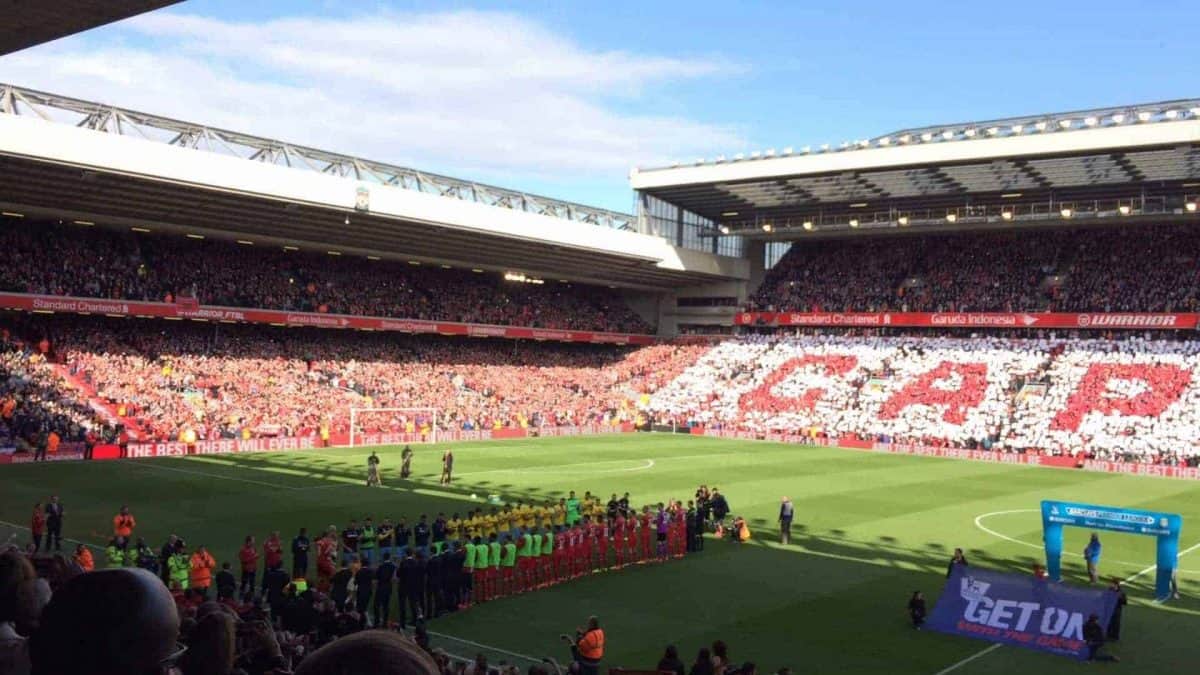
[{"x": 560, "y": 513}]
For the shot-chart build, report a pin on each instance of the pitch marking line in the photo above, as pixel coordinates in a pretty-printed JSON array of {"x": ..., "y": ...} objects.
[
  {"x": 206, "y": 474},
  {"x": 979, "y": 523},
  {"x": 955, "y": 666},
  {"x": 988, "y": 650},
  {"x": 66, "y": 539},
  {"x": 487, "y": 647}
]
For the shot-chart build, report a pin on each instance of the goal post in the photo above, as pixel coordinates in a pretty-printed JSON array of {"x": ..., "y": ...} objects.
[{"x": 372, "y": 421}]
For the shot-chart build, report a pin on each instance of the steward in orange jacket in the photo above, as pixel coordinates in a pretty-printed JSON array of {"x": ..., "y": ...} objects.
[{"x": 202, "y": 564}]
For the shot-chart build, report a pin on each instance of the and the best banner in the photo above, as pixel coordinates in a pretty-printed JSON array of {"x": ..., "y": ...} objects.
[
  {"x": 1019, "y": 610},
  {"x": 1059, "y": 320},
  {"x": 193, "y": 311}
]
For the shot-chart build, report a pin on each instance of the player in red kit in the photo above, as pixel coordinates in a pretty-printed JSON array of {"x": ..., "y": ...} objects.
[
  {"x": 602, "y": 544},
  {"x": 593, "y": 535},
  {"x": 563, "y": 542},
  {"x": 327, "y": 547},
  {"x": 273, "y": 552},
  {"x": 647, "y": 534},
  {"x": 679, "y": 528},
  {"x": 620, "y": 540}
]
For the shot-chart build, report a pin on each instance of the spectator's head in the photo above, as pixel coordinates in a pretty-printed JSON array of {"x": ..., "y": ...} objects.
[
  {"x": 118, "y": 621},
  {"x": 372, "y": 651},
  {"x": 720, "y": 650},
  {"x": 704, "y": 655},
  {"x": 16, "y": 572},
  {"x": 671, "y": 653}
]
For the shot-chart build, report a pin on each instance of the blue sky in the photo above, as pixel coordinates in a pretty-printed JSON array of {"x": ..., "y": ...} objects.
[{"x": 561, "y": 98}]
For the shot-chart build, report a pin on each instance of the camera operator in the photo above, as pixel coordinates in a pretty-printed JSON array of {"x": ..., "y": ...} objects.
[{"x": 588, "y": 647}]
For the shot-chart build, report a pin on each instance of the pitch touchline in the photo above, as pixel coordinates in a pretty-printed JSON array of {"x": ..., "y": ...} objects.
[
  {"x": 488, "y": 647},
  {"x": 66, "y": 539}
]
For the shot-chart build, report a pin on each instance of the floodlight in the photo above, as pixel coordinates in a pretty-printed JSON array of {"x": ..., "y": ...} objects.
[
  {"x": 903, "y": 221},
  {"x": 1190, "y": 206},
  {"x": 1090, "y": 121},
  {"x": 1171, "y": 114},
  {"x": 951, "y": 217},
  {"x": 926, "y": 137},
  {"x": 1018, "y": 128},
  {"x": 1065, "y": 124},
  {"x": 1124, "y": 209},
  {"x": 992, "y": 131},
  {"x": 1040, "y": 126},
  {"x": 1066, "y": 212},
  {"x": 724, "y": 229},
  {"x": 854, "y": 222},
  {"x": 808, "y": 225},
  {"x": 1144, "y": 116},
  {"x": 947, "y": 135},
  {"x": 970, "y": 133},
  {"x": 767, "y": 227},
  {"x": 1118, "y": 118},
  {"x": 1006, "y": 215}
]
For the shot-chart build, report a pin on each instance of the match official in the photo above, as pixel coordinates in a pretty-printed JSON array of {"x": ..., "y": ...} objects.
[{"x": 786, "y": 511}]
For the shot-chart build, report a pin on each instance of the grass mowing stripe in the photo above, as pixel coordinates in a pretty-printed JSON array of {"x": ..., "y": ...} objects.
[{"x": 870, "y": 528}]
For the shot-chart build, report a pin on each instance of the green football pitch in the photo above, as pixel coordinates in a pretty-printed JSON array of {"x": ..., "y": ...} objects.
[{"x": 870, "y": 529}]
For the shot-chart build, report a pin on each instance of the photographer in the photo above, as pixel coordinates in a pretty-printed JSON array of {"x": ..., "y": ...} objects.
[{"x": 588, "y": 647}]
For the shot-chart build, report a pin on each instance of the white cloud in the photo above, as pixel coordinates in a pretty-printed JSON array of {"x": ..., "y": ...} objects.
[{"x": 484, "y": 93}]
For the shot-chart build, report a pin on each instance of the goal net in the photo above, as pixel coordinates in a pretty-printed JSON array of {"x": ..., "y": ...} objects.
[{"x": 386, "y": 426}]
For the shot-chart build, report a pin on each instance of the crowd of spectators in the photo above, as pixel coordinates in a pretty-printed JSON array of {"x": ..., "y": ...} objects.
[
  {"x": 33, "y": 400},
  {"x": 1147, "y": 268},
  {"x": 92, "y": 262},
  {"x": 229, "y": 381},
  {"x": 1131, "y": 399}
]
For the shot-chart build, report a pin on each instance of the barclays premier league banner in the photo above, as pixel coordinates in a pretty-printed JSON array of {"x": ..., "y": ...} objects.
[{"x": 1017, "y": 609}]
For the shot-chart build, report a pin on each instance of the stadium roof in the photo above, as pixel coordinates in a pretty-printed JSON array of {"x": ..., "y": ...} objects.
[
  {"x": 27, "y": 23},
  {"x": 95, "y": 162},
  {"x": 1134, "y": 161}
]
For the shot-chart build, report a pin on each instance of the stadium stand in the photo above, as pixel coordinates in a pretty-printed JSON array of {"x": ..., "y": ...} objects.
[
  {"x": 91, "y": 262},
  {"x": 1132, "y": 399},
  {"x": 249, "y": 381},
  {"x": 1147, "y": 269}
]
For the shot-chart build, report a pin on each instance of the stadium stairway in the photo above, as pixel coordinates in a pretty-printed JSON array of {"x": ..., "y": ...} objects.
[{"x": 104, "y": 408}]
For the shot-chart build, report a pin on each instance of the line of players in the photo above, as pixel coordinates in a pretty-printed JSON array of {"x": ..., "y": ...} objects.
[{"x": 455, "y": 562}]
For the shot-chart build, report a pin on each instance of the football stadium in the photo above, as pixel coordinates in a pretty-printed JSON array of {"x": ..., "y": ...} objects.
[{"x": 922, "y": 403}]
